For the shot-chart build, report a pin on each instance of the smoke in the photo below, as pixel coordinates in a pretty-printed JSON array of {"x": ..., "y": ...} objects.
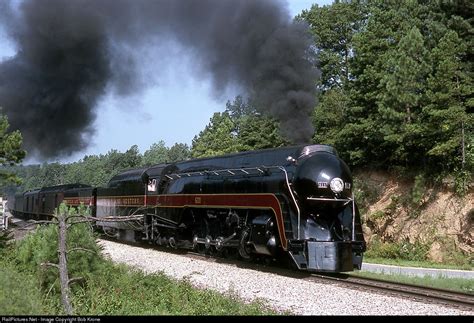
[{"x": 71, "y": 52}]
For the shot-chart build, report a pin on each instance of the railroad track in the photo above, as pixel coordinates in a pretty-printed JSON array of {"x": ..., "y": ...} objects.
[{"x": 422, "y": 293}]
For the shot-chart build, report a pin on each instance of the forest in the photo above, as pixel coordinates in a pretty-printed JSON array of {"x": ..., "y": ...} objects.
[{"x": 395, "y": 94}]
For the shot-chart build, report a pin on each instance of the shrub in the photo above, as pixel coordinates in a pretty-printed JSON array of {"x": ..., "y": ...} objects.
[
  {"x": 365, "y": 194},
  {"x": 404, "y": 250},
  {"x": 461, "y": 181},
  {"x": 19, "y": 294},
  {"x": 418, "y": 190},
  {"x": 5, "y": 237},
  {"x": 41, "y": 247}
]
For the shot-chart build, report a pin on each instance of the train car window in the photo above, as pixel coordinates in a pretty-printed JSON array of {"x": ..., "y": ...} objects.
[{"x": 152, "y": 185}]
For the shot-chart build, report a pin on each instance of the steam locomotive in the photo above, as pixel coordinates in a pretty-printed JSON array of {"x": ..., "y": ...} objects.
[{"x": 293, "y": 202}]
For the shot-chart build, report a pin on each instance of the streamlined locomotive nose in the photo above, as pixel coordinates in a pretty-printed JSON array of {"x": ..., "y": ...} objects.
[{"x": 322, "y": 175}]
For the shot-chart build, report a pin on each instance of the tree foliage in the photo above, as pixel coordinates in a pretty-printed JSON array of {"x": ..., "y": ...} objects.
[
  {"x": 95, "y": 170},
  {"x": 10, "y": 151},
  {"x": 239, "y": 128},
  {"x": 396, "y": 92},
  {"x": 396, "y": 88}
]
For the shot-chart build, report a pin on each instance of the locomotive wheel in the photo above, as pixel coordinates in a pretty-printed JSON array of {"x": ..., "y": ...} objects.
[
  {"x": 223, "y": 253},
  {"x": 201, "y": 231},
  {"x": 244, "y": 250},
  {"x": 200, "y": 248}
]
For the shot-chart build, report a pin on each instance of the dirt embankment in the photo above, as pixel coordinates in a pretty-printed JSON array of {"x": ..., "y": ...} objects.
[{"x": 400, "y": 210}]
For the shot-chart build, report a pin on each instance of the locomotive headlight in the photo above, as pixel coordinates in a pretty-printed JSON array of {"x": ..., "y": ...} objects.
[{"x": 337, "y": 185}]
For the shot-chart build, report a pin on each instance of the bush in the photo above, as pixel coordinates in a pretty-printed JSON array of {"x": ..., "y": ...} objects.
[
  {"x": 461, "y": 181},
  {"x": 365, "y": 193},
  {"x": 418, "y": 190},
  {"x": 41, "y": 247},
  {"x": 404, "y": 250},
  {"x": 5, "y": 237},
  {"x": 19, "y": 294}
]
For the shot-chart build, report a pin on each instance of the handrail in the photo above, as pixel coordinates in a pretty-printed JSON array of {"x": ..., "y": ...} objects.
[
  {"x": 326, "y": 199},
  {"x": 222, "y": 172},
  {"x": 353, "y": 217},
  {"x": 293, "y": 197}
]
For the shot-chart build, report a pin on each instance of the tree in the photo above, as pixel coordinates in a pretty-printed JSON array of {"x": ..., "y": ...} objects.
[
  {"x": 333, "y": 28},
  {"x": 131, "y": 158},
  {"x": 386, "y": 24},
  {"x": 240, "y": 127},
  {"x": 10, "y": 151},
  {"x": 330, "y": 116},
  {"x": 178, "y": 152},
  {"x": 156, "y": 154},
  {"x": 447, "y": 117},
  {"x": 401, "y": 99},
  {"x": 51, "y": 174},
  {"x": 252, "y": 129},
  {"x": 217, "y": 138}
]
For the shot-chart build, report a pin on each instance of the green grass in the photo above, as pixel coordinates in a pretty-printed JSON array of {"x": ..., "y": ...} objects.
[
  {"x": 414, "y": 263},
  {"x": 121, "y": 290},
  {"x": 456, "y": 284},
  {"x": 116, "y": 290},
  {"x": 27, "y": 288}
]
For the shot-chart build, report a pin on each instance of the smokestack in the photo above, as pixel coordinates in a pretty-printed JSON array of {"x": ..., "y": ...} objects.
[{"x": 71, "y": 52}]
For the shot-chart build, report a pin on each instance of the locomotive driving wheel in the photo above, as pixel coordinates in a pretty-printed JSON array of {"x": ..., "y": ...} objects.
[
  {"x": 201, "y": 232},
  {"x": 245, "y": 250}
]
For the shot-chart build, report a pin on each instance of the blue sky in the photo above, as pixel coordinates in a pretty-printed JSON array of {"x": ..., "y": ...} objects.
[{"x": 175, "y": 110}]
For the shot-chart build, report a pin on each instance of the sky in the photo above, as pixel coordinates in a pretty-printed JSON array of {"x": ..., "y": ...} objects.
[{"x": 174, "y": 110}]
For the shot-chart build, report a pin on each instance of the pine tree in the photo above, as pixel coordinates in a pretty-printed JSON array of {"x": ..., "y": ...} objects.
[
  {"x": 446, "y": 114},
  {"x": 401, "y": 99}
]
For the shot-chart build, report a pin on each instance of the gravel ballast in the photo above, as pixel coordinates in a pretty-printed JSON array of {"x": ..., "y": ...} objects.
[{"x": 281, "y": 293}]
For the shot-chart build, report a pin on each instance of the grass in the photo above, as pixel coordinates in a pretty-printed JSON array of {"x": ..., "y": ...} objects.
[
  {"x": 121, "y": 290},
  {"x": 415, "y": 263},
  {"x": 118, "y": 290},
  {"x": 26, "y": 288},
  {"x": 456, "y": 284}
]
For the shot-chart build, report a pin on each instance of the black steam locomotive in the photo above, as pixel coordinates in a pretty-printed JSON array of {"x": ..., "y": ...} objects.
[{"x": 294, "y": 202}]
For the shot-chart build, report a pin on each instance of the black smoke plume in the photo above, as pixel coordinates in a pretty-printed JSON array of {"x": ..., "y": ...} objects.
[{"x": 70, "y": 52}]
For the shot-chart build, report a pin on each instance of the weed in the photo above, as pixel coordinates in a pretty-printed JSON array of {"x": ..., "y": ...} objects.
[
  {"x": 365, "y": 193},
  {"x": 418, "y": 190},
  {"x": 398, "y": 250},
  {"x": 6, "y": 237},
  {"x": 377, "y": 215}
]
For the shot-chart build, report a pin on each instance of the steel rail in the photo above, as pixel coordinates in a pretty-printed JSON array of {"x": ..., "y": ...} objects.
[{"x": 426, "y": 293}]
